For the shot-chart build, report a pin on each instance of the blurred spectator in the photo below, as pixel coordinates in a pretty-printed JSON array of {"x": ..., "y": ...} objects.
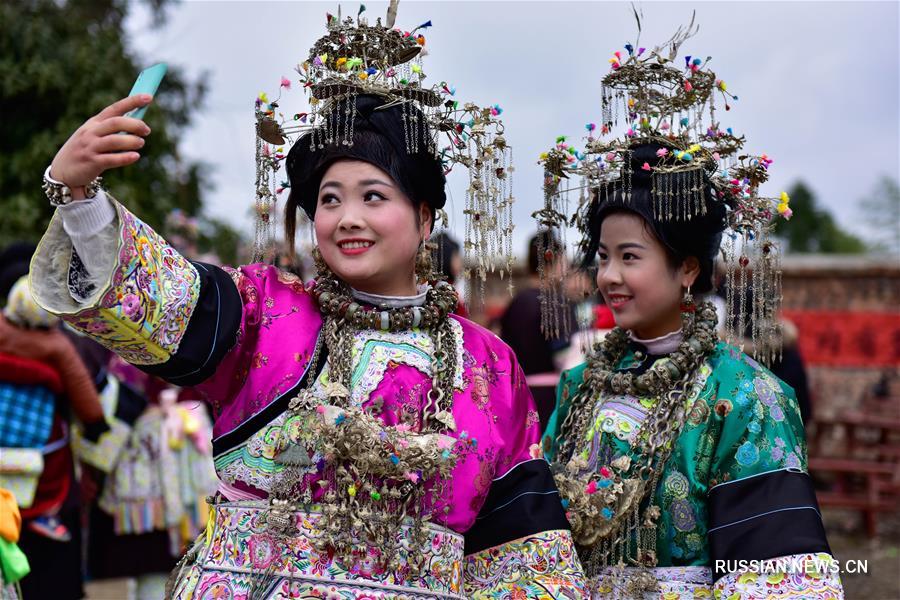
[
  {"x": 790, "y": 368},
  {"x": 520, "y": 325},
  {"x": 887, "y": 385},
  {"x": 447, "y": 256},
  {"x": 447, "y": 261},
  {"x": 883, "y": 396},
  {"x": 41, "y": 379},
  {"x": 14, "y": 261},
  {"x": 595, "y": 320}
]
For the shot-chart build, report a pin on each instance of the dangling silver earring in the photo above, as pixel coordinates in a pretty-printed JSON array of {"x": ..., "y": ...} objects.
[
  {"x": 688, "y": 311},
  {"x": 687, "y": 301},
  {"x": 424, "y": 264}
]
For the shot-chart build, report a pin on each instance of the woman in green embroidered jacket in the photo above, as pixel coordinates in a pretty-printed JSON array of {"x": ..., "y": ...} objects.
[
  {"x": 680, "y": 460},
  {"x": 676, "y": 454}
]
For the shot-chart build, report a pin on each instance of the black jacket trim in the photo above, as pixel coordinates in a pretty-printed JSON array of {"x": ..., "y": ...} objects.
[
  {"x": 765, "y": 516},
  {"x": 210, "y": 334},
  {"x": 522, "y": 502}
]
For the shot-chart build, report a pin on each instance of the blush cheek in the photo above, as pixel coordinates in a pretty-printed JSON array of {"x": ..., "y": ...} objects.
[
  {"x": 325, "y": 226},
  {"x": 396, "y": 228}
]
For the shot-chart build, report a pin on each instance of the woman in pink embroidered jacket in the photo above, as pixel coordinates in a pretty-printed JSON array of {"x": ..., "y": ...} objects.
[{"x": 369, "y": 444}]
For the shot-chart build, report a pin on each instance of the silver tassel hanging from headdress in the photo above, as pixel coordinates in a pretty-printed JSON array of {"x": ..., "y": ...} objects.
[{"x": 266, "y": 199}]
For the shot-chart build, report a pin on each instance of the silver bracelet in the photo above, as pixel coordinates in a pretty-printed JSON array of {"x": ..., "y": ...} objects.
[{"x": 60, "y": 194}]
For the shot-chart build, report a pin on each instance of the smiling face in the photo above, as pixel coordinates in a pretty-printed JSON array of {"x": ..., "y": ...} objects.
[
  {"x": 368, "y": 230},
  {"x": 636, "y": 278}
]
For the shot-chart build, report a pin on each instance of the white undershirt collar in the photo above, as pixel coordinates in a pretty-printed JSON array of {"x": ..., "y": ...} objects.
[
  {"x": 665, "y": 344},
  {"x": 381, "y": 301}
]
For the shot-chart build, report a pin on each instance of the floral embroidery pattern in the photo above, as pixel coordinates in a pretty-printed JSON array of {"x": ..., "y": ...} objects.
[
  {"x": 260, "y": 360},
  {"x": 532, "y": 419},
  {"x": 623, "y": 415},
  {"x": 677, "y": 583},
  {"x": 747, "y": 454},
  {"x": 723, "y": 407},
  {"x": 676, "y": 485},
  {"x": 482, "y": 378},
  {"x": 144, "y": 312},
  {"x": 803, "y": 582},
  {"x": 292, "y": 281},
  {"x": 239, "y": 538},
  {"x": 699, "y": 414},
  {"x": 253, "y": 462},
  {"x": 482, "y": 481},
  {"x": 542, "y": 566},
  {"x": 374, "y": 352},
  {"x": 683, "y": 515}
]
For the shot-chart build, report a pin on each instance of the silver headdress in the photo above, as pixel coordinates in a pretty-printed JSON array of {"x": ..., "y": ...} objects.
[
  {"x": 658, "y": 100},
  {"x": 358, "y": 58}
]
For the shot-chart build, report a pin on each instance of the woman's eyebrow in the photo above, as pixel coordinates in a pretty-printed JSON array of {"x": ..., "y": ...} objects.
[
  {"x": 627, "y": 245},
  {"x": 624, "y": 246},
  {"x": 375, "y": 182},
  {"x": 335, "y": 184}
]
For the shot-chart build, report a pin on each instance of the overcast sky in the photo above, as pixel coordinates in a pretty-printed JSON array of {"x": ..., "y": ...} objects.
[{"x": 817, "y": 81}]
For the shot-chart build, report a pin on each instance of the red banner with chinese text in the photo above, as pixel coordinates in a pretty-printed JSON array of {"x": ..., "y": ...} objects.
[{"x": 848, "y": 339}]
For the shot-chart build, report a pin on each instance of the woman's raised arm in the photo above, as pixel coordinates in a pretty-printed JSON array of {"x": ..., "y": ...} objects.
[{"x": 111, "y": 276}]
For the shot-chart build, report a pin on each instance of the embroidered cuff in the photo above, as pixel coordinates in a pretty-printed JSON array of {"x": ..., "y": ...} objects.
[
  {"x": 763, "y": 516},
  {"x": 799, "y": 576},
  {"x": 543, "y": 566},
  {"x": 141, "y": 306}
]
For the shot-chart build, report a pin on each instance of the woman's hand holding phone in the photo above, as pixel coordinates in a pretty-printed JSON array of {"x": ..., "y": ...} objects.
[
  {"x": 109, "y": 140},
  {"x": 105, "y": 141}
]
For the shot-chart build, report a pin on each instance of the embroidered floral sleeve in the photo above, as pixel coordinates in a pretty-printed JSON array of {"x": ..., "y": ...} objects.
[
  {"x": 143, "y": 309},
  {"x": 806, "y": 576},
  {"x": 187, "y": 322},
  {"x": 761, "y": 503},
  {"x": 542, "y": 566},
  {"x": 759, "y": 421}
]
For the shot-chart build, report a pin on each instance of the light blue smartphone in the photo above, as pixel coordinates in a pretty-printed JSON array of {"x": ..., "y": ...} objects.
[{"x": 147, "y": 83}]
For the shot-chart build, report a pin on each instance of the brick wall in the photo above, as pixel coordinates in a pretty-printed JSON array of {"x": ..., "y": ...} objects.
[{"x": 842, "y": 283}]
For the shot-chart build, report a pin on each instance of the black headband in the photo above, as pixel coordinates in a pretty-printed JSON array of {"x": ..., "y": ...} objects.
[{"x": 380, "y": 138}]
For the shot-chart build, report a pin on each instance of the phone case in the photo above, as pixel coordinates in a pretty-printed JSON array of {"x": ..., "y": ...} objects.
[{"x": 147, "y": 83}]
